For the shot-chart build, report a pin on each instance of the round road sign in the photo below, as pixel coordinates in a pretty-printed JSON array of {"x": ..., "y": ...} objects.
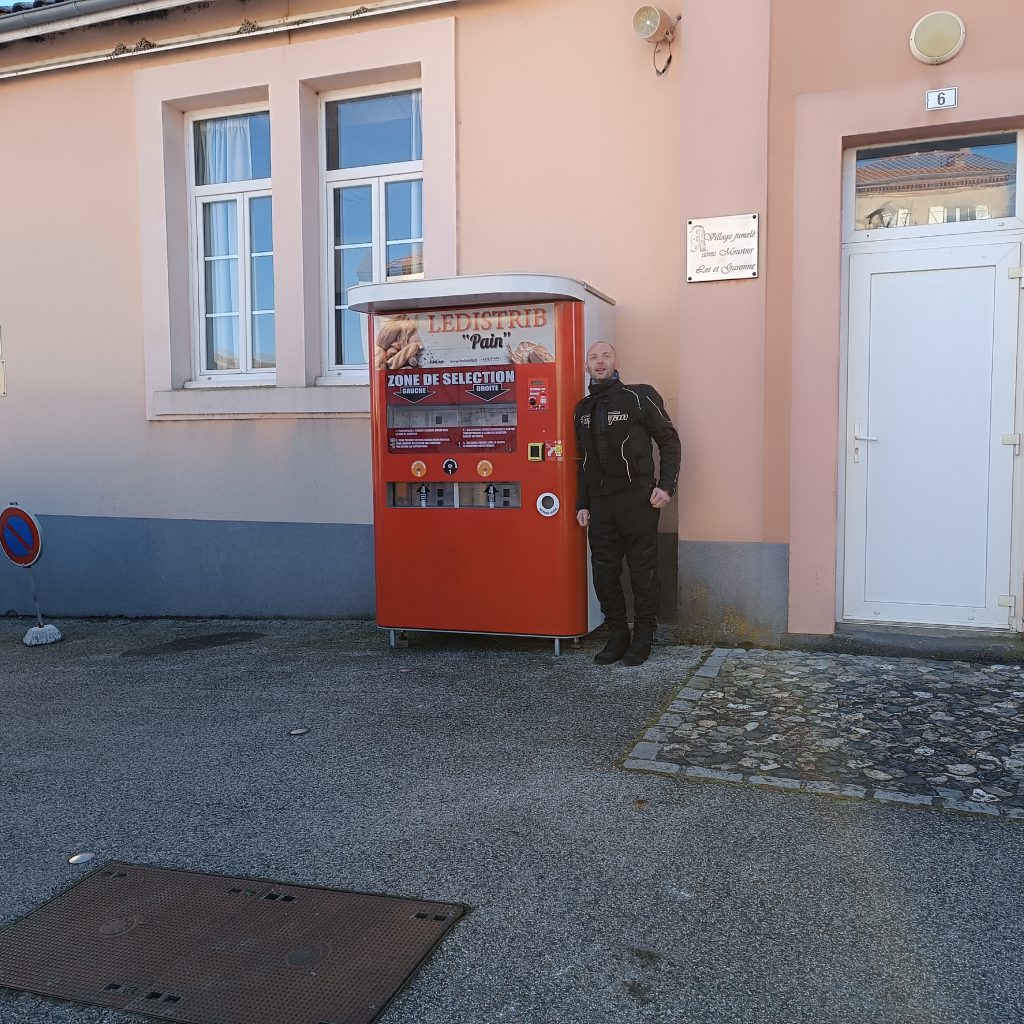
[{"x": 20, "y": 536}]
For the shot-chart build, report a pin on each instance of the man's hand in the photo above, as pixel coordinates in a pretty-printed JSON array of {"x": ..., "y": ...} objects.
[
  {"x": 583, "y": 517},
  {"x": 659, "y": 498}
]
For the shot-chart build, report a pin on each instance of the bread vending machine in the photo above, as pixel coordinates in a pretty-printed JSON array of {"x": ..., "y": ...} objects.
[{"x": 473, "y": 381}]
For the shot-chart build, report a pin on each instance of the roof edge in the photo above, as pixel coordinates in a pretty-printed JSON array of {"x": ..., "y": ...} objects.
[{"x": 69, "y": 14}]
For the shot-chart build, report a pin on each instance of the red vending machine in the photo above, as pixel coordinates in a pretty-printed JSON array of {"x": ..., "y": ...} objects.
[{"x": 473, "y": 384}]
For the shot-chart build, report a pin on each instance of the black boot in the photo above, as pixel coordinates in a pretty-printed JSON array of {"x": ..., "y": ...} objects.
[
  {"x": 640, "y": 649},
  {"x": 616, "y": 645}
]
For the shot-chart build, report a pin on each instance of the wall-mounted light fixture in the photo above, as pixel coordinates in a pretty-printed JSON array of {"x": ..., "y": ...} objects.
[
  {"x": 937, "y": 37},
  {"x": 653, "y": 25}
]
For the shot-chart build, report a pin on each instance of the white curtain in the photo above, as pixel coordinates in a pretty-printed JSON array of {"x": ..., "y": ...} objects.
[
  {"x": 417, "y": 125},
  {"x": 224, "y": 150},
  {"x": 220, "y": 238}
]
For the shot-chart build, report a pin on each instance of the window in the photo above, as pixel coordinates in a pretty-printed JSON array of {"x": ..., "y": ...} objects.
[
  {"x": 374, "y": 176},
  {"x": 285, "y": 340},
  {"x": 938, "y": 182},
  {"x": 233, "y": 281}
]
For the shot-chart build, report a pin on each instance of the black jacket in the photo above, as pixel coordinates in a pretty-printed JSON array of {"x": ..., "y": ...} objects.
[{"x": 615, "y": 425}]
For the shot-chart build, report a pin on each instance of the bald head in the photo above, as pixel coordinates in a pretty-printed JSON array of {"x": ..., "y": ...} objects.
[{"x": 602, "y": 361}]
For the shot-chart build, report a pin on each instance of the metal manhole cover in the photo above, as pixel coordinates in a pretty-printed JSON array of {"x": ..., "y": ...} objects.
[{"x": 210, "y": 949}]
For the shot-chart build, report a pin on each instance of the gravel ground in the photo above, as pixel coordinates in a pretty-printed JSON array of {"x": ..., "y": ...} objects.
[{"x": 487, "y": 772}]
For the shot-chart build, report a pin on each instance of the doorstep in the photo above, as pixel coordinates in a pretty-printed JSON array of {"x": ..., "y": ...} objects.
[{"x": 970, "y": 645}]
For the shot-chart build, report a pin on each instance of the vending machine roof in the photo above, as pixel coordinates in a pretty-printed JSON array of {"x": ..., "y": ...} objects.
[{"x": 478, "y": 290}]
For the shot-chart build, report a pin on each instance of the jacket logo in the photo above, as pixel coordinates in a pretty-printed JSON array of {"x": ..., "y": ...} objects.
[
  {"x": 617, "y": 417},
  {"x": 585, "y": 419}
]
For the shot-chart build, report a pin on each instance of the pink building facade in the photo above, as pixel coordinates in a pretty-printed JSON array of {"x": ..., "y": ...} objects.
[{"x": 187, "y": 191}]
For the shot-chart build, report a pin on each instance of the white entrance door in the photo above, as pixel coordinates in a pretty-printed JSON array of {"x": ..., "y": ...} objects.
[{"x": 929, "y": 479}]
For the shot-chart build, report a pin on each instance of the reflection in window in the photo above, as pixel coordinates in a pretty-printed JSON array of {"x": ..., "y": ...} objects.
[
  {"x": 374, "y": 130},
  {"x": 404, "y": 217},
  {"x": 373, "y": 171},
  {"x": 353, "y": 264},
  {"x": 945, "y": 182}
]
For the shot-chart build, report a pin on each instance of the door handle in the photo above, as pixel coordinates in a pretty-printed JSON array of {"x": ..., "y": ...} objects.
[{"x": 858, "y": 436}]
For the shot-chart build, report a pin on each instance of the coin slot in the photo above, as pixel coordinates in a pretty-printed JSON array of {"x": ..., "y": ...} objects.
[{"x": 548, "y": 504}]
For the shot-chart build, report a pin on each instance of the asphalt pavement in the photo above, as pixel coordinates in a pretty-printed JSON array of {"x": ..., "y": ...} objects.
[{"x": 489, "y": 772}]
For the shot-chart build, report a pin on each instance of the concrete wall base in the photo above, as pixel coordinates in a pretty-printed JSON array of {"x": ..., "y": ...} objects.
[
  {"x": 99, "y": 566},
  {"x": 731, "y": 593}
]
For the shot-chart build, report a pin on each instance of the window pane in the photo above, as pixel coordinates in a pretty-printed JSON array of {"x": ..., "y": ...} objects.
[
  {"x": 353, "y": 215},
  {"x": 404, "y": 203},
  {"x": 220, "y": 228},
  {"x": 263, "y": 341},
  {"x": 261, "y": 225},
  {"x": 936, "y": 182},
  {"x": 350, "y": 338},
  {"x": 374, "y": 130},
  {"x": 222, "y": 286},
  {"x": 405, "y": 259},
  {"x": 351, "y": 266},
  {"x": 262, "y": 283},
  {"x": 232, "y": 148},
  {"x": 222, "y": 343}
]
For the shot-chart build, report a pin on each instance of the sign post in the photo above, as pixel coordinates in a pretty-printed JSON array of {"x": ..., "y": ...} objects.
[{"x": 21, "y": 540}]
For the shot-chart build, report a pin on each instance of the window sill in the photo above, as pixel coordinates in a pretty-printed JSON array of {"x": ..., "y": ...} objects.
[
  {"x": 349, "y": 378},
  {"x": 249, "y": 402},
  {"x": 225, "y": 381}
]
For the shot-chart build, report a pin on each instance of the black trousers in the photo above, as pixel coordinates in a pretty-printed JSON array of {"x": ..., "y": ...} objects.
[{"x": 625, "y": 525}]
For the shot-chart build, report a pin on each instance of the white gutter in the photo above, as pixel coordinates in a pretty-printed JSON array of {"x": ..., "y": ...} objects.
[
  {"x": 44, "y": 20},
  {"x": 247, "y": 30}
]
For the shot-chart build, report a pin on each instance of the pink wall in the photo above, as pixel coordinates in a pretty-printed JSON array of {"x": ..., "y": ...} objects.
[
  {"x": 572, "y": 158},
  {"x": 568, "y": 149},
  {"x": 568, "y": 163},
  {"x": 722, "y": 364},
  {"x": 825, "y": 97}
]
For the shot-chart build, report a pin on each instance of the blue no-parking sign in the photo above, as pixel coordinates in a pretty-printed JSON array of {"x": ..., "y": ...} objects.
[{"x": 20, "y": 536}]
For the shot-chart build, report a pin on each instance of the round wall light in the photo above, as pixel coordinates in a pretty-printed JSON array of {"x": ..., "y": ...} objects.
[{"x": 937, "y": 37}]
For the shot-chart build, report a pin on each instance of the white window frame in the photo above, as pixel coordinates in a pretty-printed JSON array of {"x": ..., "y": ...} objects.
[
  {"x": 198, "y": 196},
  {"x": 377, "y": 176},
  {"x": 289, "y": 79},
  {"x": 851, "y": 234}
]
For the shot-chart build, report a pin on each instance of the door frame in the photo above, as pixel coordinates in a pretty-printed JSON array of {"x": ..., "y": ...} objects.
[{"x": 891, "y": 242}]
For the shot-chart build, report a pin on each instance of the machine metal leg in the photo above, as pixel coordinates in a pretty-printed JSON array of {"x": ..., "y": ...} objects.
[
  {"x": 391, "y": 638},
  {"x": 558, "y": 646}
]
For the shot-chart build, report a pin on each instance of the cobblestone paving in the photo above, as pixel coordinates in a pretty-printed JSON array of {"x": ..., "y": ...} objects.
[{"x": 901, "y": 730}]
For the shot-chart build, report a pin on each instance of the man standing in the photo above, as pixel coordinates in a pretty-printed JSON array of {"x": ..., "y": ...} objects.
[{"x": 620, "y": 499}]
